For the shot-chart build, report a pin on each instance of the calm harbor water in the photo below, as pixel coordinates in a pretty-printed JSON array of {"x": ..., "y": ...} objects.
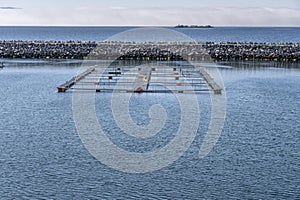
[{"x": 256, "y": 157}]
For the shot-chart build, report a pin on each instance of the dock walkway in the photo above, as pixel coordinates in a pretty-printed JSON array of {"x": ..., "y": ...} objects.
[
  {"x": 67, "y": 85},
  {"x": 210, "y": 81}
]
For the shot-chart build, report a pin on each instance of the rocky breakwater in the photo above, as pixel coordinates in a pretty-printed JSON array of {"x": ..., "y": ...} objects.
[
  {"x": 45, "y": 49},
  {"x": 254, "y": 51},
  {"x": 150, "y": 51}
]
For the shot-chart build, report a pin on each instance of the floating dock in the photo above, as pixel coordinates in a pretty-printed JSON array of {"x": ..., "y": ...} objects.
[
  {"x": 143, "y": 79},
  {"x": 67, "y": 85},
  {"x": 210, "y": 81}
]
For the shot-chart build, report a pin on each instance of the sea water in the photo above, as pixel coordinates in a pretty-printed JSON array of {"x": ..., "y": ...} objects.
[
  {"x": 217, "y": 34},
  {"x": 256, "y": 156}
]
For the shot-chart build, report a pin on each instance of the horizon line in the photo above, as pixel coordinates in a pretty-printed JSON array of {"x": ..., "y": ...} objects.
[{"x": 157, "y": 26}]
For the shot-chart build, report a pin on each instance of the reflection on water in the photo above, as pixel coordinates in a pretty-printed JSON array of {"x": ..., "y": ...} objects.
[
  {"x": 262, "y": 65},
  {"x": 255, "y": 158}
]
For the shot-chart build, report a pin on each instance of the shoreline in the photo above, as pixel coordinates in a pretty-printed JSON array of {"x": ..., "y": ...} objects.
[{"x": 194, "y": 51}]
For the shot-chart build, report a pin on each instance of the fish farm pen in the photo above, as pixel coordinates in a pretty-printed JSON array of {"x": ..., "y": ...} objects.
[{"x": 143, "y": 79}]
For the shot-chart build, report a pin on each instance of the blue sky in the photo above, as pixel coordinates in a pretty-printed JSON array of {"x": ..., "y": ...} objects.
[{"x": 150, "y": 13}]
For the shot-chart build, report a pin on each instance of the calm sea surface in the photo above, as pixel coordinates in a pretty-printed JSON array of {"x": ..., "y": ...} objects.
[
  {"x": 256, "y": 157},
  {"x": 218, "y": 34}
]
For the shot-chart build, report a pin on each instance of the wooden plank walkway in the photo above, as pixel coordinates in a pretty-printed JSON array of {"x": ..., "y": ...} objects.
[
  {"x": 67, "y": 85},
  {"x": 135, "y": 91},
  {"x": 210, "y": 81}
]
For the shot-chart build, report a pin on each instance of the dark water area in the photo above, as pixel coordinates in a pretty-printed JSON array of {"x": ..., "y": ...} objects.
[
  {"x": 217, "y": 34},
  {"x": 256, "y": 157},
  {"x": 245, "y": 34}
]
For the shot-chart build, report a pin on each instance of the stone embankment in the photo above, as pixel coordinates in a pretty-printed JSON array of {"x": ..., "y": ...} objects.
[{"x": 150, "y": 51}]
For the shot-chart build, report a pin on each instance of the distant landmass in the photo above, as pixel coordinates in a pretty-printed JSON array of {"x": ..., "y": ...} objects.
[{"x": 193, "y": 26}]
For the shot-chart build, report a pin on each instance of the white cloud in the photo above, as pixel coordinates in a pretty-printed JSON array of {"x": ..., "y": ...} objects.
[
  {"x": 153, "y": 16},
  {"x": 117, "y": 8}
]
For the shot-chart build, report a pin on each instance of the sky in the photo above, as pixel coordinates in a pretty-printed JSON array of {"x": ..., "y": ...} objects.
[{"x": 149, "y": 12}]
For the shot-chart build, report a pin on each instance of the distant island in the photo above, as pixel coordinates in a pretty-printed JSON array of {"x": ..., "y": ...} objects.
[{"x": 193, "y": 26}]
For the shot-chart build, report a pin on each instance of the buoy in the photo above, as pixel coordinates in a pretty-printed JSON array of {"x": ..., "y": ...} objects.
[{"x": 139, "y": 89}]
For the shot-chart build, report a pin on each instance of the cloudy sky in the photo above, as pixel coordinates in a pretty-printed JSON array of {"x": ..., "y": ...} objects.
[{"x": 150, "y": 12}]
